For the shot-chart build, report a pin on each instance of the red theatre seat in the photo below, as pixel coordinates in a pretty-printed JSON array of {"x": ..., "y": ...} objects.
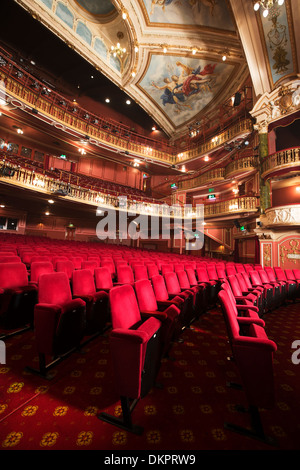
[
  {"x": 17, "y": 298},
  {"x": 136, "y": 350},
  {"x": 59, "y": 320},
  {"x": 149, "y": 306},
  {"x": 253, "y": 355},
  {"x": 174, "y": 289},
  {"x": 97, "y": 312}
]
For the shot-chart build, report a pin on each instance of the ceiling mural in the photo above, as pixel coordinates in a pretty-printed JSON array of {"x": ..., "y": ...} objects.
[
  {"x": 279, "y": 42},
  {"x": 104, "y": 7},
  {"x": 183, "y": 87},
  {"x": 208, "y": 13},
  {"x": 174, "y": 87}
]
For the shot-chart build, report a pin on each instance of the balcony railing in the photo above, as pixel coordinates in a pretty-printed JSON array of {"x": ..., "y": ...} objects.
[
  {"x": 231, "y": 206},
  {"x": 210, "y": 176},
  {"x": 288, "y": 215},
  {"x": 242, "y": 127},
  {"x": 240, "y": 165},
  {"x": 27, "y": 90},
  {"x": 283, "y": 160}
]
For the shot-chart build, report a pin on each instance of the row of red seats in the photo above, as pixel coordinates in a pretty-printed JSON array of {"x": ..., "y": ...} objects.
[{"x": 252, "y": 353}]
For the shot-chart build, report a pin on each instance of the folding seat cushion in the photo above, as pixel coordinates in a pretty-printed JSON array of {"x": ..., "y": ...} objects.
[
  {"x": 125, "y": 275},
  {"x": 97, "y": 312},
  {"x": 17, "y": 297},
  {"x": 140, "y": 272},
  {"x": 39, "y": 267},
  {"x": 149, "y": 306},
  {"x": 65, "y": 267},
  {"x": 291, "y": 284},
  {"x": 136, "y": 351},
  {"x": 59, "y": 320},
  {"x": 152, "y": 270}
]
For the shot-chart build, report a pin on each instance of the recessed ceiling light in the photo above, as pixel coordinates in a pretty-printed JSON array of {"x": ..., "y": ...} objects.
[
  {"x": 50, "y": 201},
  {"x": 47, "y": 213},
  {"x": 107, "y": 100},
  {"x": 128, "y": 102}
]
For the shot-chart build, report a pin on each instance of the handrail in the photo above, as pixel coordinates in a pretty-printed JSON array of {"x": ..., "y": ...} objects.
[
  {"x": 229, "y": 206},
  {"x": 281, "y": 160}
]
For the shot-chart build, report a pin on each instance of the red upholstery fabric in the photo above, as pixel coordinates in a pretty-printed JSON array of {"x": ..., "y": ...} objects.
[
  {"x": 125, "y": 275},
  {"x": 253, "y": 355},
  {"x": 140, "y": 272},
  {"x": 65, "y": 266},
  {"x": 103, "y": 279},
  {"x": 40, "y": 267}
]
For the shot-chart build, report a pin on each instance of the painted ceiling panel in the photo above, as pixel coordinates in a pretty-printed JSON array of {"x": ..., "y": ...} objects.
[
  {"x": 183, "y": 87},
  {"x": 208, "y": 13}
]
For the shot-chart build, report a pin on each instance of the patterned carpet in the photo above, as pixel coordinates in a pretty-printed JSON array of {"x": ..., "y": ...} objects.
[{"x": 187, "y": 414}]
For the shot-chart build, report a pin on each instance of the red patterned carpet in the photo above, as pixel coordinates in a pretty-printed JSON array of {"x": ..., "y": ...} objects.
[{"x": 187, "y": 414}]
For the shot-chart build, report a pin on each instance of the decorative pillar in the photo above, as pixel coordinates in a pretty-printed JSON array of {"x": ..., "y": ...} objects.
[{"x": 265, "y": 196}]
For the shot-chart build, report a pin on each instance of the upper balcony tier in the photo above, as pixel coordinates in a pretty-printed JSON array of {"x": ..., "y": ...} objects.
[{"x": 284, "y": 161}]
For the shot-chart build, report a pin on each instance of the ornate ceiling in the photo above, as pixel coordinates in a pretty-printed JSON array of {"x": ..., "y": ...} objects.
[{"x": 172, "y": 66}]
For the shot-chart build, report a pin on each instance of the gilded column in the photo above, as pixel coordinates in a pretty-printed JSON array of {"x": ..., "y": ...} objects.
[{"x": 265, "y": 196}]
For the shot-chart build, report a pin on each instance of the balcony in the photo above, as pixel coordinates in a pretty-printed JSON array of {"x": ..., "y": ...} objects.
[
  {"x": 282, "y": 161},
  {"x": 238, "y": 205},
  {"x": 208, "y": 177},
  {"x": 241, "y": 165},
  {"x": 283, "y": 216}
]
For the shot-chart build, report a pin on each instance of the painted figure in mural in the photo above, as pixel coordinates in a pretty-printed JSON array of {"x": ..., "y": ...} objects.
[{"x": 180, "y": 88}]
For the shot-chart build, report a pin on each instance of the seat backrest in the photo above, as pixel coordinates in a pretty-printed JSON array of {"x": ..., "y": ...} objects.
[
  {"x": 145, "y": 295},
  {"x": 264, "y": 277},
  {"x": 10, "y": 259},
  {"x": 296, "y": 273},
  {"x": 211, "y": 272},
  {"x": 125, "y": 312},
  {"x": 54, "y": 288},
  {"x": 202, "y": 274},
  {"x": 230, "y": 317},
  {"x": 183, "y": 280},
  {"x": 167, "y": 268},
  {"x": 241, "y": 282},
  {"x": 270, "y": 273},
  {"x": 237, "y": 291},
  {"x": 172, "y": 283},
  {"x": 91, "y": 265},
  {"x": 230, "y": 270},
  {"x": 255, "y": 278},
  {"x": 280, "y": 274},
  {"x": 159, "y": 287},
  {"x": 76, "y": 260},
  {"x": 178, "y": 267},
  {"x": 221, "y": 273},
  {"x": 40, "y": 267},
  {"x": 140, "y": 272},
  {"x": 239, "y": 268},
  {"x": 39, "y": 258},
  {"x": 192, "y": 277},
  {"x": 152, "y": 270},
  {"x": 13, "y": 275},
  {"x": 125, "y": 274},
  {"x": 83, "y": 282},
  {"x": 103, "y": 278},
  {"x": 65, "y": 267}
]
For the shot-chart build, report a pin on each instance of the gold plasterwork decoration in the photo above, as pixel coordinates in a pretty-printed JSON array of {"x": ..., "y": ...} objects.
[{"x": 293, "y": 250}]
